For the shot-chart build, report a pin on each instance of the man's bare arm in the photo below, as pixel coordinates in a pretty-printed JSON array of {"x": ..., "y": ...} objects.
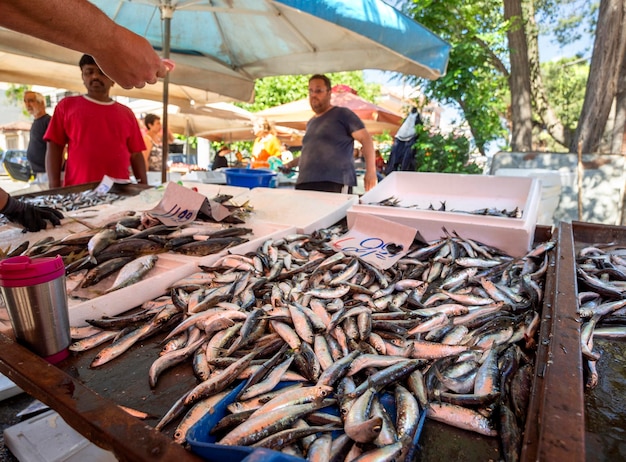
[{"x": 127, "y": 58}]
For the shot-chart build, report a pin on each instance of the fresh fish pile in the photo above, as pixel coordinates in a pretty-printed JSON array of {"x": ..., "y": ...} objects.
[
  {"x": 490, "y": 211},
  {"x": 73, "y": 201},
  {"x": 601, "y": 275},
  {"x": 324, "y": 346},
  {"x": 129, "y": 248}
]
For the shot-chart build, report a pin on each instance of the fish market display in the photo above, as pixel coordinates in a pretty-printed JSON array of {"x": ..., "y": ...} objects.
[
  {"x": 493, "y": 212},
  {"x": 73, "y": 201},
  {"x": 101, "y": 260},
  {"x": 327, "y": 357},
  {"x": 70, "y": 201},
  {"x": 601, "y": 275}
]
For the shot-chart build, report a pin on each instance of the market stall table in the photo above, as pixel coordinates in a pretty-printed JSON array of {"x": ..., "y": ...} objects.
[
  {"x": 86, "y": 398},
  {"x": 90, "y": 410}
]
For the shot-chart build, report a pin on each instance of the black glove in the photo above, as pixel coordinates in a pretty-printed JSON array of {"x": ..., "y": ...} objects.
[{"x": 31, "y": 217}]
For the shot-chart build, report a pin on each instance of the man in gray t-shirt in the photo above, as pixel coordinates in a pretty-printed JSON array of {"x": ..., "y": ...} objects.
[{"x": 327, "y": 159}]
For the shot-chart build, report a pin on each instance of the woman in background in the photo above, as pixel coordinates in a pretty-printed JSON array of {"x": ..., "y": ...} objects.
[
  {"x": 154, "y": 147},
  {"x": 266, "y": 145},
  {"x": 220, "y": 160}
]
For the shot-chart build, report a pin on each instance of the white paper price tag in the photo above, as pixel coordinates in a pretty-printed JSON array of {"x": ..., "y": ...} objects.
[
  {"x": 107, "y": 183},
  {"x": 178, "y": 206},
  {"x": 376, "y": 240}
]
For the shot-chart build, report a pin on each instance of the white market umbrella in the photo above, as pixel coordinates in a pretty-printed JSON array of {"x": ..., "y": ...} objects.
[{"x": 62, "y": 71}]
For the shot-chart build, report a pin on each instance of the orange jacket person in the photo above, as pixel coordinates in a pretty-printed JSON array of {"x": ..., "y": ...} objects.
[{"x": 265, "y": 145}]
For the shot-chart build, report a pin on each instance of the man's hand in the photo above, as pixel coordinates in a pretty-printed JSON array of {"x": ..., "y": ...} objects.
[{"x": 31, "y": 217}]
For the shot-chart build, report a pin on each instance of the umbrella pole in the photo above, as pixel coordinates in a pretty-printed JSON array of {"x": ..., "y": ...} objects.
[{"x": 166, "y": 15}]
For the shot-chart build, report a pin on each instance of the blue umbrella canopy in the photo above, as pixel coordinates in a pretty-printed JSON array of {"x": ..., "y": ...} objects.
[{"x": 222, "y": 46}]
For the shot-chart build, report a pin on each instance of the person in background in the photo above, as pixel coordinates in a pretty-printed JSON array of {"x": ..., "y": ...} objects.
[
  {"x": 35, "y": 104},
  {"x": 32, "y": 218},
  {"x": 380, "y": 165},
  {"x": 327, "y": 159},
  {"x": 220, "y": 160},
  {"x": 241, "y": 161},
  {"x": 153, "y": 154},
  {"x": 266, "y": 144},
  {"x": 359, "y": 162},
  {"x": 102, "y": 136},
  {"x": 286, "y": 155},
  {"x": 125, "y": 57}
]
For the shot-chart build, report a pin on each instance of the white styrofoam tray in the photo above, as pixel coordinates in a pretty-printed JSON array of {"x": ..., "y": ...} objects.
[
  {"x": 47, "y": 437},
  {"x": 306, "y": 210},
  {"x": 7, "y": 388},
  {"x": 11, "y": 235},
  {"x": 416, "y": 192},
  {"x": 169, "y": 268}
]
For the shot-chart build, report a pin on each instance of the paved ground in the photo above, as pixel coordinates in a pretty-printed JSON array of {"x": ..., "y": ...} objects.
[{"x": 11, "y": 186}]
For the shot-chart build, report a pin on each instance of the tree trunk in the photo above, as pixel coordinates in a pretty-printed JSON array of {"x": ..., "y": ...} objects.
[
  {"x": 550, "y": 121},
  {"x": 606, "y": 61},
  {"x": 519, "y": 78},
  {"x": 617, "y": 140}
]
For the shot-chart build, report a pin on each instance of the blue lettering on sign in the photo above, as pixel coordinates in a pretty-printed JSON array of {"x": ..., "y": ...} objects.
[
  {"x": 102, "y": 188},
  {"x": 370, "y": 246},
  {"x": 177, "y": 213}
]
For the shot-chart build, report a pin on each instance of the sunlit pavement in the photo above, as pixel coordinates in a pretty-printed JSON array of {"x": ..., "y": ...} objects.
[{"x": 13, "y": 187}]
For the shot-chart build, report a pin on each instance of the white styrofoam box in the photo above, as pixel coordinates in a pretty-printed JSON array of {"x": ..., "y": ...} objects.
[
  {"x": 154, "y": 178},
  {"x": 48, "y": 438},
  {"x": 169, "y": 268},
  {"x": 209, "y": 177},
  {"x": 7, "y": 388},
  {"x": 550, "y": 189},
  {"x": 306, "y": 210},
  {"x": 416, "y": 192}
]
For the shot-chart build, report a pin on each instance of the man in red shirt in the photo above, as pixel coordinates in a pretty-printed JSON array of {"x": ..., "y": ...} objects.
[{"x": 102, "y": 136}]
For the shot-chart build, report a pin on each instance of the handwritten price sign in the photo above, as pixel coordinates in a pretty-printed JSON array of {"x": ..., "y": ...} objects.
[
  {"x": 376, "y": 240},
  {"x": 178, "y": 206},
  {"x": 177, "y": 213},
  {"x": 373, "y": 246}
]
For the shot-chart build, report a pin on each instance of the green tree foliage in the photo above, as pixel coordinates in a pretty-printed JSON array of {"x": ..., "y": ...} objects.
[
  {"x": 443, "y": 153},
  {"x": 15, "y": 95},
  {"x": 476, "y": 80},
  {"x": 565, "y": 81},
  {"x": 478, "y": 70}
]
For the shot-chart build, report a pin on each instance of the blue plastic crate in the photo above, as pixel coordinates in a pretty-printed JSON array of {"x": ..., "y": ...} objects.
[
  {"x": 204, "y": 444},
  {"x": 250, "y": 177}
]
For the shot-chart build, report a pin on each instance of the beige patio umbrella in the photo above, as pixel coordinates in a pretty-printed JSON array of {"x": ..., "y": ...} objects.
[
  {"x": 296, "y": 114},
  {"x": 27, "y": 70}
]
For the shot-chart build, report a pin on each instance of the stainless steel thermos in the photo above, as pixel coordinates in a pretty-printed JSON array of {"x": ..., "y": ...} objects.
[{"x": 36, "y": 299}]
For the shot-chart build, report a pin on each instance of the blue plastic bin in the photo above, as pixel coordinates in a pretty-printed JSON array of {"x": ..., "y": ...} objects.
[
  {"x": 250, "y": 177},
  {"x": 203, "y": 444}
]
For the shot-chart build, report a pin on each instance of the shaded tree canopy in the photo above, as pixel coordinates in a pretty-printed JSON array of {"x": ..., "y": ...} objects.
[{"x": 485, "y": 38}]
